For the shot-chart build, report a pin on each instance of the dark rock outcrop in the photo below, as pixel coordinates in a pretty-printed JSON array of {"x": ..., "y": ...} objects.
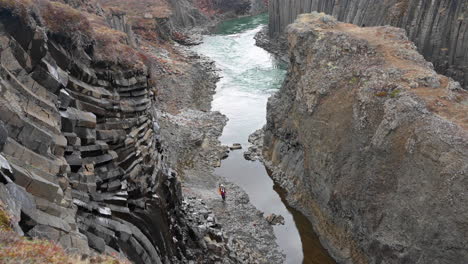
[
  {"x": 438, "y": 28},
  {"x": 86, "y": 158},
  {"x": 81, "y": 161},
  {"x": 371, "y": 144},
  {"x": 258, "y": 6}
]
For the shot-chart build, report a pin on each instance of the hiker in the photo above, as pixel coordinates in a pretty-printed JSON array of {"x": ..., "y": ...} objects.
[{"x": 222, "y": 191}]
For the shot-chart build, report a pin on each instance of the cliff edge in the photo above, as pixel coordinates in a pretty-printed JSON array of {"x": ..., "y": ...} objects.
[
  {"x": 438, "y": 28},
  {"x": 371, "y": 144}
]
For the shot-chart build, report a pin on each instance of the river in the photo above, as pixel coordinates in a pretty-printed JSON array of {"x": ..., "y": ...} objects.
[{"x": 249, "y": 75}]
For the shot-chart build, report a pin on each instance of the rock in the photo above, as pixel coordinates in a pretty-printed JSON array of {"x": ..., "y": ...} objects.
[
  {"x": 437, "y": 41},
  {"x": 354, "y": 144},
  {"x": 64, "y": 99},
  {"x": 248, "y": 155},
  {"x": 4, "y": 165},
  {"x": 274, "y": 219},
  {"x": 235, "y": 146},
  {"x": 86, "y": 157},
  {"x": 3, "y": 135}
]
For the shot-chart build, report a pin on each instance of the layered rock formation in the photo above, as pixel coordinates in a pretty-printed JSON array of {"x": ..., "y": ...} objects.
[
  {"x": 371, "y": 144},
  {"x": 81, "y": 158},
  {"x": 199, "y": 12},
  {"x": 438, "y": 28},
  {"x": 86, "y": 158},
  {"x": 85, "y": 164}
]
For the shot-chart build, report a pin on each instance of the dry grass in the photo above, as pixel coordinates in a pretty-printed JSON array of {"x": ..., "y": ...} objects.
[
  {"x": 15, "y": 249},
  {"x": 65, "y": 20},
  {"x": 18, "y": 8},
  {"x": 80, "y": 29},
  {"x": 16, "y": 5},
  {"x": 112, "y": 47},
  {"x": 138, "y": 8},
  {"x": 5, "y": 218}
]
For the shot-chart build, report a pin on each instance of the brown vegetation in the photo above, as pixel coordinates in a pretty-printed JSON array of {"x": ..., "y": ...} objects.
[
  {"x": 15, "y": 249},
  {"x": 138, "y": 8},
  {"x": 79, "y": 29},
  {"x": 64, "y": 20},
  {"x": 111, "y": 45}
]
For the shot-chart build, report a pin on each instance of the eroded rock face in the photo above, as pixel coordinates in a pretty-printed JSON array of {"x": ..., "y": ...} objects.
[
  {"x": 81, "y": 162},
  {"x": 438, "y": 28},
  {"x": 371, "y": 144}
]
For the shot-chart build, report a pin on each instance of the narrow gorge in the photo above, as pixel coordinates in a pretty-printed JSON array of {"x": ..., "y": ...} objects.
[{"x": 336, "y": 143}]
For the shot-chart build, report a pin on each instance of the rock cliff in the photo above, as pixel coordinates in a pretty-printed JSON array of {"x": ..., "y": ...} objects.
[
  {"x": 438, "y": 28},
  {"x": 84, "y": 164},
  {"x": 82, "y": 160},
  {"x": 371, "y": 144},
  {"x": 100, "y": 112}
]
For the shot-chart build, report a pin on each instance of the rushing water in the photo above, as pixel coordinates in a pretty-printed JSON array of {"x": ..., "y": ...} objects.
[{"x": 249, "y": 76}]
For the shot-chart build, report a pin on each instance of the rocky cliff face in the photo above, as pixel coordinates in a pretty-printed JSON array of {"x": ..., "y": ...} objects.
[
  {"x": 195, "y": 13},
  {"x": 438, "y": 28},
  {"x": 371, "y": 144},
  {"x": 81, "y": 156},
  {"x": 81, "y": 144},
  {"x": 101, "y": 114}
]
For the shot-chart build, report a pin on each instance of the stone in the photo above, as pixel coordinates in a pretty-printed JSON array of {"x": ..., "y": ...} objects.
[
  {"x": 35, "y": 184},
  {"x": 274, "y": 219},
  {"x": 45, "y": 232},
  {"x": 353, "y": 144},
  {"x": 96, "y": 242},
  {"x": 4, "y": 165},
  {"x": 3, "y": 135},
  {"x": 236, "y": 146},
  {"x": 437, "y": 41},
  {"x": 248, "y": 155},
  {"x": 64, "y": 99},
  {"x": 79, "y": 244}
]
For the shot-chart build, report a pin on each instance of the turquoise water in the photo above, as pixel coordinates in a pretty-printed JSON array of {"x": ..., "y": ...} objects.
[{"x": 249, "y": 75}]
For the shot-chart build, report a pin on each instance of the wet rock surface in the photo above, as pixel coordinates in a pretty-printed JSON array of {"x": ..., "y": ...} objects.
[
  {"x": 275, "y": 219},
  {"x": 371, "y": 144},
  {"x": 438, "y": 28},
  {"x": 277, "y": 47},
  {"x": 255, "y": 150},
  {"x": 191, "y": 140}
]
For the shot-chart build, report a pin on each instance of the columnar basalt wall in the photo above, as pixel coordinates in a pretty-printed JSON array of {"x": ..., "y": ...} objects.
[
  {"x": 371, "y": 144},
  {"x": 81, "y": 162},
  {"x": 438, "y": 28}
]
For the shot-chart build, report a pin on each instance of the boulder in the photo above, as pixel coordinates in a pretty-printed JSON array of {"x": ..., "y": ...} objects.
[
  {"x": 274, "y": 219},
  {"x": 236, "y": 146}
]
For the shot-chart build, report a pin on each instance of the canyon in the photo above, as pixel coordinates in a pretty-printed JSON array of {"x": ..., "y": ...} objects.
[
  {"x": 91, "y": 151},
  {"x": 371, "y": 144},
  {"x": 114, "y": 115}
]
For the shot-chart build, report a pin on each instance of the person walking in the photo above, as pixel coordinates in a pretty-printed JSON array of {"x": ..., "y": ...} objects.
[{"x": 222, "y": 191}]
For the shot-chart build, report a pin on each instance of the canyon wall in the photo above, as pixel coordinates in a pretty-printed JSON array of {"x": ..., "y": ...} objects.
[
  {"x": 371, "y": 144},
  {"x": 82, "y": 165},
  {"x": 199, "y": 12},
  {"x": 82, "y": 161},
  {"x": 438, "y": 28}
]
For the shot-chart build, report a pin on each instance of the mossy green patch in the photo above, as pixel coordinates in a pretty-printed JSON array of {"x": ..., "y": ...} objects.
[{"x": 394, "y": 93}]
